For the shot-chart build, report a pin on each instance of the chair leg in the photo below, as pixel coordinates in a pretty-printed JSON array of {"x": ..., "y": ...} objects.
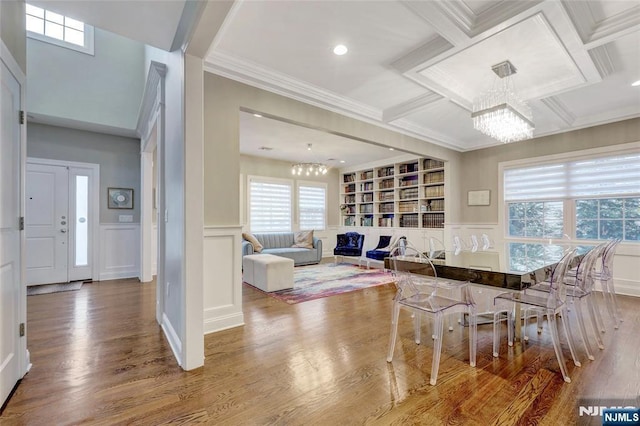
[
  {"x": 609, "y": 299},
  {"x": 579, "y": 311},
  {"x": 564, "y": 318},
  {"x": 594, "y": 320},
  {"x": 473, "y": 335},
  {"x": 395, "y": 313},
  {"x": 496, "y": 332},
  {"x": 553, "y": 326},
  {"x": 510, "y": 327},
  {"x": 416, "y": 327},
  {"x": 437, "y": 348}
]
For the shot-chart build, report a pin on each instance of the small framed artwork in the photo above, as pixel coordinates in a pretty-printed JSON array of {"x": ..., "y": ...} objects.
[
  {"x": 479, "y": 198},
  {"x": 120, "y": 198}
]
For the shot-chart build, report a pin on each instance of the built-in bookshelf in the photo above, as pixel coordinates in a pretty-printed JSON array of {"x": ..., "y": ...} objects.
[{"x": 408, "y": 194}]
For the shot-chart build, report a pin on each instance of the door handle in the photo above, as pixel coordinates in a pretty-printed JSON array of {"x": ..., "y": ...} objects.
[{"x": 64, "y": 231}]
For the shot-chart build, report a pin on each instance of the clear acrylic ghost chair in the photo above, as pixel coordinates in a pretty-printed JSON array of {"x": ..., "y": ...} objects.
[
  {"x": 605, "y": 276},
  {"x": 418, "y": 291},
  {"x": 579, "y": 284},
  {"x": 553, "y": 303}
]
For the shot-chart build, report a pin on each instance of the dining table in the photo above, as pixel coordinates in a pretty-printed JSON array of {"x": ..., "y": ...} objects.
[{"x": 484, "y": 269}]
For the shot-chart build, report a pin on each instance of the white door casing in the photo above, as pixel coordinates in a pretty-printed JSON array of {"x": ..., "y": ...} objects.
[
  {"x": 11, "y": 294},
  {"x": 62, "y": 204},
  {"x": 47, "y": 223}
]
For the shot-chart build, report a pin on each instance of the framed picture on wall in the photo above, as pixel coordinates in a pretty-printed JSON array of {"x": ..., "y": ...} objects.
[{"x": 120, "y": 198}]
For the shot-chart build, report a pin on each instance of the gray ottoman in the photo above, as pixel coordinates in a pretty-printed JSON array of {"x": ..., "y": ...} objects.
[{"x": 267, "y": 272}]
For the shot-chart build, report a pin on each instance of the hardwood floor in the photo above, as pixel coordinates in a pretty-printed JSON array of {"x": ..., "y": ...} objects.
[{"x": 100, "y": 358}]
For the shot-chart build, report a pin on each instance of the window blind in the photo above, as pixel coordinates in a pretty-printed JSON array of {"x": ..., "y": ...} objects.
[
  {"x": 596, "y": 177},
  {"x": 312, "y": 207},
  {"x": 269, "y": 206}
]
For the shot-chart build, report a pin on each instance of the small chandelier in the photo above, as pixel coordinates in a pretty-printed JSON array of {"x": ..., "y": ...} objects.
[
  {"x": 309, "y": 169},
  {"x": 500, "y": 113}
]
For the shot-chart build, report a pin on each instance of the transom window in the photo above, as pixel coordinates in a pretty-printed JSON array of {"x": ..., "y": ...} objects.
[{"x": 51, "y": 27}]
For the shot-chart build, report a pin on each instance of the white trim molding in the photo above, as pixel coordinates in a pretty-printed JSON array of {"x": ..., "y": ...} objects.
[
  {"x": 172, "y": 338},
  {"x": 119, "y": 253},
  {"x": 222, "y": 278}
]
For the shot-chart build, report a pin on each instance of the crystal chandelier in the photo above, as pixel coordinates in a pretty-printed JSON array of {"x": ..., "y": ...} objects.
[
  {"x": 309, "y": 169},
  {"x": 500, "y": 112}
]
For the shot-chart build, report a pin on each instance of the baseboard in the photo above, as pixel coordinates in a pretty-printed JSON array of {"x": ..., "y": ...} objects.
[
  {"x": 627, "y": 288},
  {"x": 172, "y": 338},
  {"x": 223, "y": 322},
  {"x": 117, "y": 275}
]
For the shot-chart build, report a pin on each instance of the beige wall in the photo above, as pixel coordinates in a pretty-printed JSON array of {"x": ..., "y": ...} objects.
[
  {"x": 257, "y": 166},
  {"x": 12, "y": 30},
  {"x": 479, "y": 169},
  {"x": 222, "y": 102}
]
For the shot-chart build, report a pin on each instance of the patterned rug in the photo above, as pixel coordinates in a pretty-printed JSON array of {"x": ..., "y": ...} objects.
[{"x": 328, "y": 279}]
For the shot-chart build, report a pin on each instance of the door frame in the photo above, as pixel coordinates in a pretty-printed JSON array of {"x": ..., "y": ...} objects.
[
  {"x": 24, "y": 361},
  {"x": 94, "y": 208}
]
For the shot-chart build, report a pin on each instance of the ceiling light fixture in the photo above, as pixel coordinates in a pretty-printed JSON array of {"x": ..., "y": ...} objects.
[
  {"x": 308, "y": 169},
  {"x": 500, "y": 113},
  {"x": 340, "y": 49},
  {"x": 257, "y": 115},
  {"x": 636, "y": 83}
]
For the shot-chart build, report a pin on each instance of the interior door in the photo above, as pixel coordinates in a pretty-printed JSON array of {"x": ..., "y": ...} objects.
[
  {"x": 10, "y": 171},
  {"x": 46, "y": 224}
]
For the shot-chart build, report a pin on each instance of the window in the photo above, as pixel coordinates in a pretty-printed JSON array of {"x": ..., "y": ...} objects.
[
  {"x": 593, "y": 198},
  {"x": 606, "y": 218},
  {"x": 269, "y": 205},
  {"x": 51, "y": 27},
  {"x": 312, "y": 206}
]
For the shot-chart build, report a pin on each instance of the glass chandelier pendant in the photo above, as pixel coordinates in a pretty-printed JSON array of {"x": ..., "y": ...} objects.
[
  {"x": 309, "y": 169},
  {"x": 500, "y": 113}
]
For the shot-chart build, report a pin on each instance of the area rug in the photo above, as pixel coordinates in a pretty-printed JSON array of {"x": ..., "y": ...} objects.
[
  {"x": 328, "y": 279},
  {"x": 35, "y": 290}
]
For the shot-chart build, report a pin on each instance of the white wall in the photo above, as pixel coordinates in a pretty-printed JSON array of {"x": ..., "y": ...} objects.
[{"x": 104, "y": 89}]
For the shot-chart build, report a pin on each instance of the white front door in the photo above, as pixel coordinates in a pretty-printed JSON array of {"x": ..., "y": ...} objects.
[
  {"x": 47, "y": 223},
  {"x": 61, "y": 213},
  {"x": 10, "y": 275}
]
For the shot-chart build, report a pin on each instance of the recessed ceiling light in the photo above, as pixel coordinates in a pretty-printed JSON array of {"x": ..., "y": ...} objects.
[
  {"x": 340, "y": 49},
  {"x": 391, "y": 149},
  {"x": 257, "y": 115},
  {"x": 636, "y": 83},
  {"x": 342, "y": 161}
]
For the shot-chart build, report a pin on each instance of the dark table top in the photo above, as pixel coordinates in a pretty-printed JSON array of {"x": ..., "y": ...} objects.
[{"x": 484, "y": 268}]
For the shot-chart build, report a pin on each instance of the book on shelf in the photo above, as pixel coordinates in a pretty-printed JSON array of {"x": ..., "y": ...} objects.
[
  {"x": 429, "y": 163},
  {"x": 385, "y": 171},
  {"x": 349, "y": 178},
  {"x": 435, "y": 220},
  {"x": 408, "y": 168},
  {"x": 366, "y": 175}
]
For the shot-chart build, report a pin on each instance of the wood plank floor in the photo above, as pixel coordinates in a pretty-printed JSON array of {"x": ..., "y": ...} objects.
[{"x": 100, "y": 358}]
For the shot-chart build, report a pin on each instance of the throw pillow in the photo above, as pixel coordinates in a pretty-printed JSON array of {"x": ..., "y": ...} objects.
[
  {"x": 257, "y": 247},
  {"x": 303, "y": 239}
]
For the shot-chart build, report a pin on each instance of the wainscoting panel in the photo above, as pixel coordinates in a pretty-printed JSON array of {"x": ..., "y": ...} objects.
[
  {"x": 222, "y": 278},
  {"x": 119, "y": 251}
]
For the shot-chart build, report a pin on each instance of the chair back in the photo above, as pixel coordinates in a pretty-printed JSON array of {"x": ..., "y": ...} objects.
[
  {"x": 608, "y": 255},
  {"x": 586, "y": 267},
  {"x": 558, "y": 289},
  {"x": 412, "y": 270}
]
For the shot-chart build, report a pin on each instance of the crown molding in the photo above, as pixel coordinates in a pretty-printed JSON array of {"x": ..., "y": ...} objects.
[
  {"x": 414, "y": 105},
  {"x": 273, "y": 81},
  {"x": 502, "y": 13},
  {"x": 602, "y": 60},
  {"x": 615, "y": 27},
  {"x": 558, "y": 108},
  {"x": 438, "y": 18}
]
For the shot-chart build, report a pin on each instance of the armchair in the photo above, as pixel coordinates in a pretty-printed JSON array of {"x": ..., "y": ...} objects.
[{"x": 349, "y": 244}]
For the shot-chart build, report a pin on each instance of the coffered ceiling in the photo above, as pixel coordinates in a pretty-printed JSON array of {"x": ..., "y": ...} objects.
[{"x": 416, "y": 66}]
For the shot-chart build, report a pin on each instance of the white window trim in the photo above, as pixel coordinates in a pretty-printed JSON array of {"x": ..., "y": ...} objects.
[
  {"x": 88, "y": 47},
  {"x": 266, "y": 179},
  {"x": 569, "y": 220},
  {"x": 323, "y": 185}
]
